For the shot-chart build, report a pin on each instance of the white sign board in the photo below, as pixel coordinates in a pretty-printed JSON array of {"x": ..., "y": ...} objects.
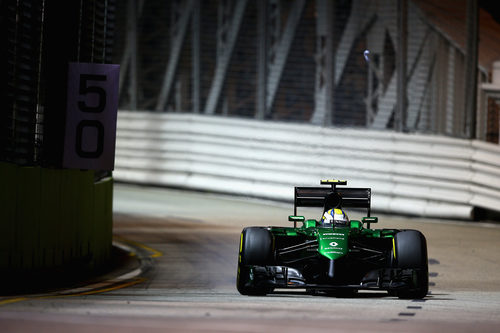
[{"x": 92, "y": 105}]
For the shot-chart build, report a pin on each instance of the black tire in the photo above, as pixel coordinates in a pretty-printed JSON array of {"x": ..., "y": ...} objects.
[
  {"x": 255, "y": 250},
  {"x": 411, "y": 254}
]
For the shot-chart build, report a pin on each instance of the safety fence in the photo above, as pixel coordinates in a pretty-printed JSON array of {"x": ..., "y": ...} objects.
[{"x": 416, "y": 174}]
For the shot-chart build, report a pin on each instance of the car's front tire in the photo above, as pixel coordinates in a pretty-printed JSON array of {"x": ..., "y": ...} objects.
[
  {"x": 410, "y": 253},
  {"x": 255, "y": 250}
]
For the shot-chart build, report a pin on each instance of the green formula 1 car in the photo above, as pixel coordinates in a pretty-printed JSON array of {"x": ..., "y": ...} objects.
[{"x": 333, "y": 255}]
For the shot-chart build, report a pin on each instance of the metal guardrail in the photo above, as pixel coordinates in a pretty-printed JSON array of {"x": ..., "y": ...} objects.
[{"x": 425, "y": 175}]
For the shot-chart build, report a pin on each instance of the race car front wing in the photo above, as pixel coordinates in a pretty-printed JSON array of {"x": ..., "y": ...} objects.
[{"x": 288, "y": 277}]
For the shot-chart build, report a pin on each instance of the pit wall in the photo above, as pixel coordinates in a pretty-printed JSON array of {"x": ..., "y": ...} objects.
[
  {"x": 416, "y": 174},
  {"x": 53, "y": 218}
]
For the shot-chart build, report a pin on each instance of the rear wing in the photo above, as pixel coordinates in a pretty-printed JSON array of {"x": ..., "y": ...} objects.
[{"x": 332, "y": 197}]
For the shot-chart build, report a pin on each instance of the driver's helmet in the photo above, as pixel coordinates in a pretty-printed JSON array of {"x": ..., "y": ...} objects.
[{"x": 335, "y": 216}]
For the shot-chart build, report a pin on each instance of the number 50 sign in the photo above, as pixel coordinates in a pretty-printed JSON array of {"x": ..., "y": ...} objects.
[{"x": 92, "y": 105}]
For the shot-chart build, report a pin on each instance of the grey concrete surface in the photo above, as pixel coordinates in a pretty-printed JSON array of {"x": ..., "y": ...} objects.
[{"x": 192, "y": 239}]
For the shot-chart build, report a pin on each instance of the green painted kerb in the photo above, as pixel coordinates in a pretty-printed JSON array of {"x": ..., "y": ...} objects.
[{"x": 54, "y": 218}]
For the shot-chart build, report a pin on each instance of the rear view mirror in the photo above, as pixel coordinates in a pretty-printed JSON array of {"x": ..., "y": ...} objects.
[
  {"x": 295, "y": 219},
  {"x": 370, "y": 219}
]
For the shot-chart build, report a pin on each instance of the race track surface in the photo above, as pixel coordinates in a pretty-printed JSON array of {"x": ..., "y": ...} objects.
[{"x": 182, "y": 277}]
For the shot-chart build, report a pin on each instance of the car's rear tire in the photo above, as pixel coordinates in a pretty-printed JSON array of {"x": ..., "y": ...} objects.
[
  {"x": 410, "y": 249},
  {"x": 255, "y": 250}
]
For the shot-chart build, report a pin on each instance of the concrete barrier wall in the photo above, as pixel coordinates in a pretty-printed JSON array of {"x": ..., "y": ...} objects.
[
  {"x": 417, "y": 174},
  {"x": 52, "y": 218}
]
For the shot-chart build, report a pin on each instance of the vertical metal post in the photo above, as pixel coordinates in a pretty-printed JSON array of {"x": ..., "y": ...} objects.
[
  {"x": 260, "y": 102},
  {"x": 129, "y": 48},
  {"x": 278, "y": 60},
  {"x": 450, "y": 92},
  {"x": 196, "y": 56},
  {"x": 274, "y": 28},
  {"x": 132, "y": 39},
  {"x": 324, "y": 86},
  {"x": 179, "y": 28},
  {"x": 225, "y": 45},
  {"x": 369, "y": 97},
  {"x": 401, "y": 58},
  {"x": 177, "y": 96},
  {"x": 472, "y": 22},
  {"x": 224, "y": 16},
  {"x": 330, "y": 64}
]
